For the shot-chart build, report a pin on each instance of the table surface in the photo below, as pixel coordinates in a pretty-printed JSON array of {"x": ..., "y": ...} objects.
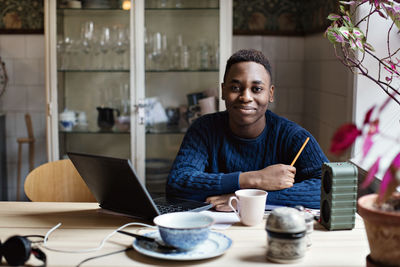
[{"x": 84, "y": 226}]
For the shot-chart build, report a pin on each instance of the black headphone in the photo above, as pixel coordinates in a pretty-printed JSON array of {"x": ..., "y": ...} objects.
[{"x": 17, "y": 250}]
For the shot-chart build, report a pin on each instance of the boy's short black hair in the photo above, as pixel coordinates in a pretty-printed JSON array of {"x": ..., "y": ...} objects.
[{"x": 246, "y": 55}]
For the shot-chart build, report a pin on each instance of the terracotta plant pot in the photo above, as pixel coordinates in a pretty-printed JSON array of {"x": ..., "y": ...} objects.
[{"x": 383, "y": 231}]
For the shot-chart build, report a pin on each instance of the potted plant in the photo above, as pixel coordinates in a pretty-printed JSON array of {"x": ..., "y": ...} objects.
[{"x": 380, "y": 212}]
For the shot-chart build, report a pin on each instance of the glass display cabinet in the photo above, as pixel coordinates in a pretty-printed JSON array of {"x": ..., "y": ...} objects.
[{"x": 127, "y": 78}]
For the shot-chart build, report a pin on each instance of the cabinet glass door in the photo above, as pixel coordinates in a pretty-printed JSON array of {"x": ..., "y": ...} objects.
[
  {"x": 182, "y": 55},
  {"x": 93, "y": 78}
]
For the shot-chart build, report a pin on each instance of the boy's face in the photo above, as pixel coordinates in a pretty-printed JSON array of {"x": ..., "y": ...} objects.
[{"x": 247, "y": 91}]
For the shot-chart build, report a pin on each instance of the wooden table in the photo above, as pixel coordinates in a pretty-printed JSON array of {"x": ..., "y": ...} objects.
[{"x": 84, "y": 225}]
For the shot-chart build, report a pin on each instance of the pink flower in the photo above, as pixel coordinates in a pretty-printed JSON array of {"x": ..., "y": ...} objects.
[{"x": 344, "y": 138}]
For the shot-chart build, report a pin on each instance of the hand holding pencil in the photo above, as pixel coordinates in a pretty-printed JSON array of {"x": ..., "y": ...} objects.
[{"x": 273, "y": 177}]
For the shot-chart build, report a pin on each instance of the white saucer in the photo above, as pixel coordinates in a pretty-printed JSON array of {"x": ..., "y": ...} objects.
[{"x": 215, "y": 245}]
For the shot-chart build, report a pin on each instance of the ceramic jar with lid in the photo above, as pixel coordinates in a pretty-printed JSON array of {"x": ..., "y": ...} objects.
[
  {"x": 286, "y": 229},
  {"x": 309, "y": 218}
]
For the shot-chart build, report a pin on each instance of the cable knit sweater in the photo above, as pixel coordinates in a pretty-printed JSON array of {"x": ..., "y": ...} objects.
[{"x": 211, "y": 158}]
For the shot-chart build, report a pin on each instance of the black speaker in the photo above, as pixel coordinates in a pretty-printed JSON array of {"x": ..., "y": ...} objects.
[{"x": 338, "y": 195}]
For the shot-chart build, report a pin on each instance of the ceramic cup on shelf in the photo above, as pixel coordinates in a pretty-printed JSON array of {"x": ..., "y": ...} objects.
[
  {"x": 250, "y": 205},
  {"x": 82, "y": 123},
  {"x": 67, "y": 120}
]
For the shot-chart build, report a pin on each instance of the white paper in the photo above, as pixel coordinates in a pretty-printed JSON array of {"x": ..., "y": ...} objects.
[{"x": 223, "y": 220}]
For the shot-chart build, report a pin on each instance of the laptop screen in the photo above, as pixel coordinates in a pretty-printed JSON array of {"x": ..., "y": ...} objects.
[{"x": 115, "y": 184}]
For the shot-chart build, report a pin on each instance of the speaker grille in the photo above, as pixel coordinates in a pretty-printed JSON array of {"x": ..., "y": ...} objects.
[{"x": 338, "y": 195}]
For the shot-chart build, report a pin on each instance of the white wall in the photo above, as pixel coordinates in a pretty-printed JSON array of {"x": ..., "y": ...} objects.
[
  {"x": 369, "y": 94},
  {"x": 25, "y": 93}
]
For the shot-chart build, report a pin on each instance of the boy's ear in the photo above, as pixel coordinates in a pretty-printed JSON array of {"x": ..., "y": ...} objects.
[{"x": 271, "y": 93}]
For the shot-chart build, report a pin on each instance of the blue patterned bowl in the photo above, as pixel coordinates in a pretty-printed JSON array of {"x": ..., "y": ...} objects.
[{"x": 183, "y": 230}]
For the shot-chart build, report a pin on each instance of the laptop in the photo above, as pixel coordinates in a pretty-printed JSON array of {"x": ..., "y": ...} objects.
[{"x": 116, "y": 187}]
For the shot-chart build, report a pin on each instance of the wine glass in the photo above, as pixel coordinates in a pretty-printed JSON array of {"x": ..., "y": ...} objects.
[
  {"x": 120, "y": 45},
  {"x": 159, "y": 53},
  {"x": 104, "y": 45},
  {"x": 66, "y": 48},
  {"x": 87, "y": 41}
]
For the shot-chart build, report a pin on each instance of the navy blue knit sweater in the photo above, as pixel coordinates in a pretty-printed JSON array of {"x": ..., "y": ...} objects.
[{"x": 211, "y": 158}]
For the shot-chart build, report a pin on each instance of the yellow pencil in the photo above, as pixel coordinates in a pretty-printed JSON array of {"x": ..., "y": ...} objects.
[{"x": 301, "y": 149}]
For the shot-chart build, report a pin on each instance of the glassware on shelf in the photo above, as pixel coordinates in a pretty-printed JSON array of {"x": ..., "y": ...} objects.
[
  {"x": 178, "y": 3},
  {"x": 162, "y": 3},
  {"x": 92, "y": 51},
  {"x": 185, "y": 58},
  {"x": 66, "y": 50},
  {"x": 120, "y": 41},
  {"x": 176, "y": 48},
  {"x": 162, "y": 54},
  {"x": 104, "y": 47},
  {"x": 203, "y": 56},
  {"x": 87, "y": 43},
  {"x": 60, "y": 54},
  {"x": 157, "y": 52}
]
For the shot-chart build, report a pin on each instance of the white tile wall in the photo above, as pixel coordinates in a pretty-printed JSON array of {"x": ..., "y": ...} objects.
[
  {"x": 327, "y": 91},
  {"x": 13, "y": 46},
  {"x": 24, "y": 58},
  {"x": 296, "y": 48},
  {"x": 245, "y": 42},
  {"x": 276, "y": 47},
  {"x": 290, "y": 74}
]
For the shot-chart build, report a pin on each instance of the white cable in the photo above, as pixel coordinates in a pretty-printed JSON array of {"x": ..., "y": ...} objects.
[{"x": 89, "y": 249}]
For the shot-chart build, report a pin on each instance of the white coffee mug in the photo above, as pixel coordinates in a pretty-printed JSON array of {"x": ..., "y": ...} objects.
[{"x": 250, "y": 205}]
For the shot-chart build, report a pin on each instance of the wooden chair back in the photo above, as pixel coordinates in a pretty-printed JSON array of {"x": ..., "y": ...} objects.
[
  {"x": 30, "y": 140},
  {"x": 57, "y": 181},
  {"x": 29, "y": 128}
]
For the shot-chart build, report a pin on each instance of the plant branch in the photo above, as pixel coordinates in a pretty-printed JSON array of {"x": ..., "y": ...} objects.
[
  {"x": 378, "y": 59},
  {"x": 366, "y": 17},
  {"x": 388, "y": 40},
  {"x": 398, "y": 49}
]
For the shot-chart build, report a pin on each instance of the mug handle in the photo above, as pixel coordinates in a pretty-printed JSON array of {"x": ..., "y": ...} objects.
[{"x": 237, "y": 203}]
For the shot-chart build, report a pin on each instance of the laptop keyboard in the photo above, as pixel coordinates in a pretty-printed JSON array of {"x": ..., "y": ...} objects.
[{"x": 171, "y": 208}]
